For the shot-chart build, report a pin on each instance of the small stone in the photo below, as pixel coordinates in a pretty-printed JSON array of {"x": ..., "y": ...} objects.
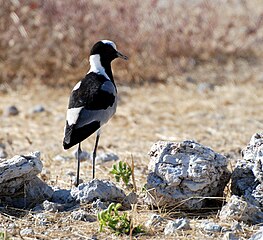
[
  {"x": 230, "y": 236},
  {"x": 247, "y": 177},
  {"x": 205, "y": 87},
  {"x": 240, "y": 210},
  {"x": 132, "y": 198},
  {"x": 94, "y": 237},
  {"x": 71, "y": 173},
  {"x": 3, "y": 153},
  {"x": 155, "y": 220},
  {"x": 46, "y": 171},
  {"x": 178, "y": 224},
  {"x": 27, "y": 232},
  {"x": 82, "y": 215},
  {"x": 11, "y": 226},
  {"x": 3, "y": 88},
  {"x": 258, "y": 235},
  {"x": 84, "y": 156},
  {"x": 11, "y": 111},
  {"x": 99, "y": 205},
  {"x": 105, "y": 157},
  {"x": 61, "y": 158},
  {"x": 41, "y": 219},
  {"x": 2, "y": 145},
  {"x": 52, "y": 207},
  {"x": 38, "y": 108},
  {"x": 211, "y": 227},
  {"x": 190, "y": 80},
  {"x": 104, "y": 190},
  {"x": 61, "y": 196}
]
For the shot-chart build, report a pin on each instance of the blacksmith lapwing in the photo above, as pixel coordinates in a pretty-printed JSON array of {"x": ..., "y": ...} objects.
[{"x": 93, "y": 100}]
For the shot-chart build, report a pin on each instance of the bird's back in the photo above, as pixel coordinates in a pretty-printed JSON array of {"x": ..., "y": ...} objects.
[{"x": 92, "y": 103}]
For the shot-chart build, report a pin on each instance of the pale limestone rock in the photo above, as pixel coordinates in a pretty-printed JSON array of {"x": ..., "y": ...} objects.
[{"x": 181, "y": 174}]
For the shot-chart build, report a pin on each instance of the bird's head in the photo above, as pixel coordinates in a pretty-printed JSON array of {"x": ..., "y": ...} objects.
[{"x": 107, "y": 51}]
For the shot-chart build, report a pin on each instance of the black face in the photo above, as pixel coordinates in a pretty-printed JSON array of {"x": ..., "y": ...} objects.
[{"x": 106, "y": 51}]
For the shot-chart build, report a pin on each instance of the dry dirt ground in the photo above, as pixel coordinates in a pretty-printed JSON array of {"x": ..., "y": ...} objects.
[{"x": 223, "y": 117}]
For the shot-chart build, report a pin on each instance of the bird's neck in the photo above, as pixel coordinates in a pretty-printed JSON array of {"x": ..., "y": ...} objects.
[{"x": 97, "y": 65}]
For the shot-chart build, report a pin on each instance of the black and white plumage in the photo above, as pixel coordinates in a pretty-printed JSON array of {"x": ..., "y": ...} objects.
[{"x": 93, "y": 100}]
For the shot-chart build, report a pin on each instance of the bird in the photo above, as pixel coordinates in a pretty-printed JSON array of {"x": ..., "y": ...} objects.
[{"x": 93, "y": 100}]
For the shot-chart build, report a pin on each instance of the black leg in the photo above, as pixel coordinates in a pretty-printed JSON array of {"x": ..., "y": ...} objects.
[
  {"x": 94, "y": 153},
  {"x": 78, "y": 164}
]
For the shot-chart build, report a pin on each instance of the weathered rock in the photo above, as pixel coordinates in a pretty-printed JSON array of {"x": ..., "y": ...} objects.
[
  {"x": 33, "y": 192},
  {"x": 94, "y": 237},
  {"x": 41, "y": 219},
  {"x": 154, "y": 221},
  {"x": 230, "y": 236},
  {"x": 27, "y": 232},
  {"x": 98, "y": 205},
  {"x": 61, "y": 158},
  {"x": 205, "y": 87},
  {"x": 84, "y": 156},
  {"x": 19, "y": 185},
  {"x": 61, "y": 201},
  {"x": 99, "y": 189},
  {"x": 247, "y": 178},
  {"x": 11, "y": 111},
  {"x": 178, "y": 224},
  {"x": 105, "y": 157},
  {"x": 258, "y": 235},
  {"x": 61, "y": 196},
  {"x": 3, "y": 153},
  {"x": 190, "y": 79},
  {"x": 37, "y": 191},
  {"x": 211, "y": 226},
  {"x": 20, "y": 166},
  {"x": 71, "y": 173},
  {"x": 82, "y": 215},
  {"x": 240, "y": 210},
  {"x": 53, "y": 207},
  {"x": 37, "y": 109},
  {"x": 182, "y": 173}
]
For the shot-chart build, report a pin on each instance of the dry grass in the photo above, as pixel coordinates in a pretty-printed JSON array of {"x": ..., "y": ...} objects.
[
  {"x": 49, "y": 41},
  {"x": 223, "y": 118}
]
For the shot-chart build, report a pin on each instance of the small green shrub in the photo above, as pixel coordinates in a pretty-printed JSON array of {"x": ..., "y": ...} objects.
[
  {"x": 118, "y": 223},
  {"x": 122, "y": 171}
]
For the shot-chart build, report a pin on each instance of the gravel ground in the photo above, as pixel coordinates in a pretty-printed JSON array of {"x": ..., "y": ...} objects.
[{"x": 221, "y": 117}]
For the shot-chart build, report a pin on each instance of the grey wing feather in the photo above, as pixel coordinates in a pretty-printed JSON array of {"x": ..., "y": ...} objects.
[
  {"x": 87, "y": 116},
  {"x": 108, "y": 86}
]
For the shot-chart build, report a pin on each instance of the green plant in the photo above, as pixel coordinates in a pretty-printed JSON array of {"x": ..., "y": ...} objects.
[
  {"x": 122, "y": 171},
  {"x": 4, "y": 236},
  {"x": 119, "y": 223}
]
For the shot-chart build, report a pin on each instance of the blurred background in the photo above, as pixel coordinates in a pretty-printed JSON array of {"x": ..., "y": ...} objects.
[{"x": 49, "y": 41}]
